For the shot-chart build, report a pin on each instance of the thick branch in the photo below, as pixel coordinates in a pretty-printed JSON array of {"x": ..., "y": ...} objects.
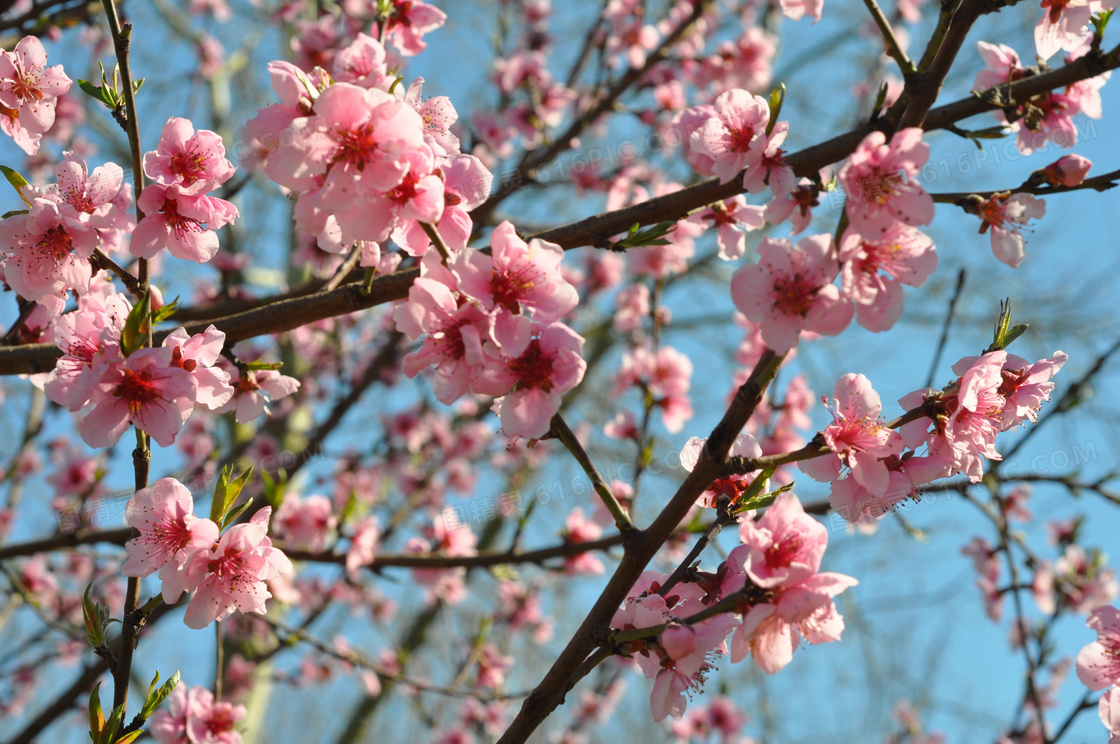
[{"x": 290, "y": 313}]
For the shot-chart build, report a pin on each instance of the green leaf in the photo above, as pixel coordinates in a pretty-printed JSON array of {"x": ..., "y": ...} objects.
[
  {"x": 1014, "y": 333},
  {"x": 17, "y": 181},
  {"x": 96, "y": 717},
  {"x": 137, "y": 85},
  {"x": 226, "y": 492},
  {"x": 96, "y": 92},
  {"x": 157, "y": 696},
  {"x": 274, "y": 489},
  {"x": 777, "y": 98},
  {"x": 761, "y": 502},
  {"x": 129, "y": 738},
  {"x": 652, "y": 235},
  {"x": 880, "y": 99},
  {"x": 96, "y": 617},
  {"x": 165, "y": 311},
  {"x": 264, "y": 365},
  {"x": 233, "y": 515},
  {"x": 137, "y": 325},
  {"x": 12, "y": 213},
  {"x": 113, "y": 725}
]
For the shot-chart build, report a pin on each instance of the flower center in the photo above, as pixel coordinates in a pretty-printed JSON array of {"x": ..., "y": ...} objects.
[
  {"x": 533, "y": 368},
  {"x": 136, "y": 389}
]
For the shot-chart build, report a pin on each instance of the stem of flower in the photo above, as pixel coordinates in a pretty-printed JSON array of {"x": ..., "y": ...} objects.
[{"x": 568, "y": 438}]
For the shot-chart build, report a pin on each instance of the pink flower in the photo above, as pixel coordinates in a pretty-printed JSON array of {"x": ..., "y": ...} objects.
[
  {"x": 772, "y": 631},
  {"x": 163, "y": 514},
  {"x": 231, "y": 574},
  {"x": 363, "y": 63},
  {"x": 551, "y": 365},
  {"x": 453, "y": 332},
  {"x": 183, "y": 223},
  {"x": 631, "y": 308},
  {"x": 857, "y": 436},
  {"x": 193, "y": 717},
  {"x": 438, "y": 114},
  {"x": 668, "y": 695},
  {"x": 906, "y": 255},
  {"x": 144, "y": 390},
  {"x": 100, "y": 198},
  {"x": 195, "y": 162},
  {"x": 735, "y": 138},
  {"x": 790, "y": 290},
  {"x": 795, "y": 205},
  {"x": 795, "y": 9},
  {"x": 1068, "y": 170},
  {"x": 363, "y": 544},
  {"x": 1003, "y": 65},
  {"x": 1109, "y": 710},
  {"x": 466, "y": 185},
  {"x": 29, "y": 90},
  {"x": 666, "y": 375},
  {"x": 198, "y": 354},
  {"x": 1098, "y": 664},
  {"x": 419, "y": 195},
  {"x": 1004, "y": 213},
  {"x": 407, "y": 23},
  {"x": 732, "y": 218},
  {"x": 969, "y": 415},
  {"x": 516, "y": 274},
  {"x": 733, "y": 486},
  {"x": 783, "y": 548},
  {"x": 305, "y": 522},
  {"x": 89, "y": 339},
  {"x": 254, "y": 390},
  {"x": 579, "y": 529},
  {"x": 860, "y": 506},
  {"x": 47, "y": 254},
  {"x": 880, "y": 181},
  {"x": 1027, "y": 386},
  {"x": 1062, "y": 26}
]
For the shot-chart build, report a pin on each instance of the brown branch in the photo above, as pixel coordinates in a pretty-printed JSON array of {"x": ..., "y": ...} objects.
[
  {"x": 535, "y": 158},
  {"x": 592, "y": 632},
  {"x": 293, "y": 312}
]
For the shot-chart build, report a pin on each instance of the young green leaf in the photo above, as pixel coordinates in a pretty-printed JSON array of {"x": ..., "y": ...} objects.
[
  {"x": 226, "y": 492},
  {"x": 17, "y": 181},
  {"x": 96, "y": 716},
  {"x": 777, "y": 98},
  {"x": 137, "y": 325},
  {"x": 157, "y": 696}
]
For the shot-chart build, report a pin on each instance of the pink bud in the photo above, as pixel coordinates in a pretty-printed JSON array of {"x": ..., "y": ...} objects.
[
  {"x": 1068, "y": 170},
  {"x": 679, "y": 641}
]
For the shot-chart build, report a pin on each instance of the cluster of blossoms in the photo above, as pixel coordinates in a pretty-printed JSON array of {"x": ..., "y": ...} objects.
[
  {"x": 772, "y": 582},
  {"x": 228, "y": 571},
  {"x": 179, "y": 216},
  {"x": 665, "y": 376},
  {"x": 872, "y": 468},
  {"x": 155, "y": 389},
  {"x": 1064, "y": 25},
  {"x": 1098, "y": 666},
  {"x": 791, "y": 290},
  {"x": 47, "y": 248},
  {"x": 367, "y": 164},
  {"x": 29, "y": 92},
  {"x": 491, "y": 325},
  {"x": 994, "y": 392},
  {"x": 192, "y": 716},
  {"x": 1048, "y": 117}
]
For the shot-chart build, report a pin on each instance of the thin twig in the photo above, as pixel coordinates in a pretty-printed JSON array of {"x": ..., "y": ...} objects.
[{"x": 945, "y": 329}]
